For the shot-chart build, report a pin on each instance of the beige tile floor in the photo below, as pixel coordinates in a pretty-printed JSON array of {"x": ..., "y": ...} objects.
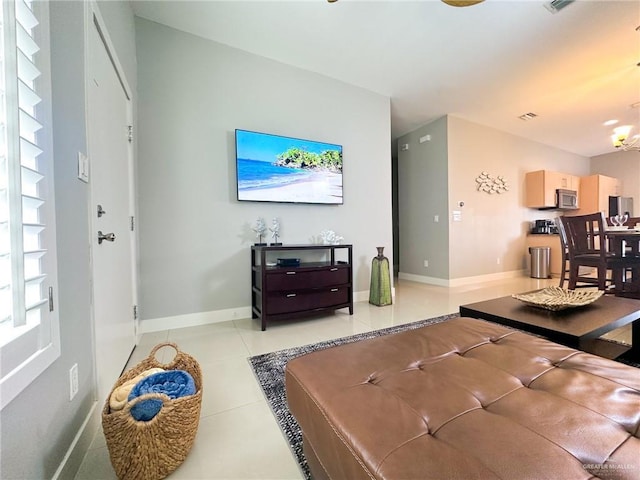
[{"x": 238, "y": 437}]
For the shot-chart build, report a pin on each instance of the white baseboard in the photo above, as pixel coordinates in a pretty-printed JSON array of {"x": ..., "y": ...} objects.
[
  {"x": 458, "y": 282},
  {"x": 80, "y": 445},
  {"x": 194, "y": 319},
  {"x": 442, "y": 282},
  {"x": 215, "y": 316}
]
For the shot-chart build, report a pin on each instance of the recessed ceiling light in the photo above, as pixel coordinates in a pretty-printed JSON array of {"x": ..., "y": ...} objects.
[{"x": 608, "y": 123}]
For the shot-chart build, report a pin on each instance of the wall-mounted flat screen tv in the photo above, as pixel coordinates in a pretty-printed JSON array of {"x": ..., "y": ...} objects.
[{"x": 272, "y": 168}]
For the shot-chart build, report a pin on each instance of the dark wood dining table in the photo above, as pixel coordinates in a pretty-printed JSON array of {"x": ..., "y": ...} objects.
[{"x": 625, "y": 243}]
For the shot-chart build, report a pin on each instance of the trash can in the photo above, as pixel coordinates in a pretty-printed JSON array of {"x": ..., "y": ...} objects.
[{"x": 540, "y": 257}]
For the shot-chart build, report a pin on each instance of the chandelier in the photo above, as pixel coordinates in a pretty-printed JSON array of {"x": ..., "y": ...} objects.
[{"x": 620, "y": 137}]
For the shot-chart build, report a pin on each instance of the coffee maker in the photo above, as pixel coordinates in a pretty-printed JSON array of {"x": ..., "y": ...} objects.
[{"x": 544, "y": 227}]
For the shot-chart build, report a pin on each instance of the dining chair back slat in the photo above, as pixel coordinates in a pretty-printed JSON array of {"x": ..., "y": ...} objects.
[
  {"x": 585, "y": 233},
  {"x": 564, "y": 252},
  {"x": 586, "y": 246}
]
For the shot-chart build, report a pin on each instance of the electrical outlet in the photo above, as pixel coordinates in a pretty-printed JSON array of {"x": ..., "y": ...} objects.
[
  {"x": 73, "y": 381},
  {"x": 498, "y": 260},
  {"x": 426, "y": 263}
]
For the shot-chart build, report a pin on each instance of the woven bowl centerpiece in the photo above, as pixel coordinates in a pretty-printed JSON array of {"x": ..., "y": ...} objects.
[{"x": 556, "y": 298}]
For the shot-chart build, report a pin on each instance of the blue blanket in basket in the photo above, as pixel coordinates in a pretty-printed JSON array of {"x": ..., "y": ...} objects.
[{"x": 173, "y": 383}]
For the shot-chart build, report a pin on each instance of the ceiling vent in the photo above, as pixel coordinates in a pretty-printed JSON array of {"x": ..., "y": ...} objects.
[
  {"x": 554, "y": 6},
  {"x": 528, "y": 116}
]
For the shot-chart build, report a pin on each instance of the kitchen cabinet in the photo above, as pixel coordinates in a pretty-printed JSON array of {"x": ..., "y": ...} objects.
[
  {"x": 595, "y": 191},
  {"x": 541, "y": 186}
]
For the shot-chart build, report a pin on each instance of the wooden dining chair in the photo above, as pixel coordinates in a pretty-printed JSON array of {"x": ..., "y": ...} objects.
[
  {"x": 587, "y": 247},
  {"x": 564, "y": 251}
]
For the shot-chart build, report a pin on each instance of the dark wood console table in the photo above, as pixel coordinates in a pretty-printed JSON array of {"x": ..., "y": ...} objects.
[{"x": 314, "y": 286}]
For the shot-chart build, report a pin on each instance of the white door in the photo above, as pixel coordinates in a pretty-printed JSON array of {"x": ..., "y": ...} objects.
[{"x": 111, "y": 203}]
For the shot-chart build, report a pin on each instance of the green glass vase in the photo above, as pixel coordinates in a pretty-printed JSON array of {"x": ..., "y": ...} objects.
[{"x": 380, "y": 288}]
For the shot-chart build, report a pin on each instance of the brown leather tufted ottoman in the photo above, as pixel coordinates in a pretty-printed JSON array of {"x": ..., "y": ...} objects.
[{"x": 465, "y": 399}]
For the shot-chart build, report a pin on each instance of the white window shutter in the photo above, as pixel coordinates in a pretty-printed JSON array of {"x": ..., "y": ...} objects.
[{"x": 29, "y": 330}]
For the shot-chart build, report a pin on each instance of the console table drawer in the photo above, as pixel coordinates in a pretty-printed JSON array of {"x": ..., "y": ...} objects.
[
  {"x": 321, "y": 282},
  {"x": 296, "y": 279},
  {"x": 299, "y": 301}
]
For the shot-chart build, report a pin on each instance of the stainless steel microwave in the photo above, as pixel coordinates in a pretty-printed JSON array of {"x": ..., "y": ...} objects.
[{"x": 566, "y": 199}]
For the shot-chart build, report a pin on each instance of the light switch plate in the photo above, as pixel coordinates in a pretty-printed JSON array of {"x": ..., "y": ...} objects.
[{"x": 83, "y": 167}]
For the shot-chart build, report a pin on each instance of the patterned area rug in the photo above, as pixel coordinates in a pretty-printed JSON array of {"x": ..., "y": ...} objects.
[{"x": 269, "y": 370}]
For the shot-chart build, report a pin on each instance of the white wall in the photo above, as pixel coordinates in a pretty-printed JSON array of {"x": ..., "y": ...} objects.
[
  {"x": 624, "y": 166},
  {"x": 422, "y": 195},
  {"x": 195, "y": 236},
  {"x": 492, "y": 227}
]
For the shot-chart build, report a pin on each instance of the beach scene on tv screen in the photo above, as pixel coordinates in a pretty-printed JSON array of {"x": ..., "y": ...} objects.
[{"x": 272, "y": 168}]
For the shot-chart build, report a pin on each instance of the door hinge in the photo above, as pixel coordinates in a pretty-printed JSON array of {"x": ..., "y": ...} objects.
[
  {"x": 132, "y": 223},
  {"x": 135, "y": 312},
  {"x": 130, "y": 133}
]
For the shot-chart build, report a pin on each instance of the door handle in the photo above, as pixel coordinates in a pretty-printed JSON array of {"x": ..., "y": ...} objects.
[{"x": 109, "y": 237}]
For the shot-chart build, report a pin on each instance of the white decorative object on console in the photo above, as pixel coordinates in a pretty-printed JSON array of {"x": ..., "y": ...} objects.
[
  {"x": 275, "y": 231},
  {"x": 329, "y": 237},
  {"x": 260, "y": 228}
]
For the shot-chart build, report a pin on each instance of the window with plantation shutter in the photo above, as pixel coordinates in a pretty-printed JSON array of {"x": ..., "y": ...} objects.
[{"x": 29, "y": 330}]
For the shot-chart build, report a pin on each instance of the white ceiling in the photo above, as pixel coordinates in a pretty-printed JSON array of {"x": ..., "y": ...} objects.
[{"x": 489, "y": 63}]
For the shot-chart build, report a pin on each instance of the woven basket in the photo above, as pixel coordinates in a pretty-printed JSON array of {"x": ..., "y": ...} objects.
[{"x": 152, "y": 450}]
